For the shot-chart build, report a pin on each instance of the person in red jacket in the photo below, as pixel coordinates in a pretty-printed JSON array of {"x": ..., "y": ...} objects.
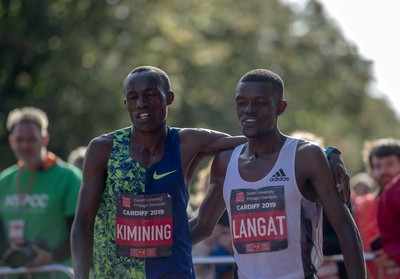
[
  {"x": 382, "y": 158},
  {"x": 389, "y": 219}
]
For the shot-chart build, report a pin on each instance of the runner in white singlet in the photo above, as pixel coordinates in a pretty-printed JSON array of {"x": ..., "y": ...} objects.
[{"x": 274, "y": 188}]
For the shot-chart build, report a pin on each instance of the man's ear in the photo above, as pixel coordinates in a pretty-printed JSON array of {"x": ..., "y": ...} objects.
[
  {"x": 10, "y": 140},
  {"x": 282, "y": 106},
  {"x": 46, "y": 139},
  {"x": 170, "y": 97}
]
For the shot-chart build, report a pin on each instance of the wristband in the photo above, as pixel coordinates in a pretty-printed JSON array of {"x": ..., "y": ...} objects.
[{"x": 332, "y": 149}]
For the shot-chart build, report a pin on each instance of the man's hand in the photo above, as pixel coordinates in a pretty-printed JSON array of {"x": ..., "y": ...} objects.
[
  {"x": 382, "y": 260},
  {"x": 42, "y": 257},
  {"x": 342, "y": 179},
  {"x": 8, "y": 251}
]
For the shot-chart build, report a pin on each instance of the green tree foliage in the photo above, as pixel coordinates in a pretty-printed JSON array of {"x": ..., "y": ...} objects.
[{"x": 70, "y": 58}]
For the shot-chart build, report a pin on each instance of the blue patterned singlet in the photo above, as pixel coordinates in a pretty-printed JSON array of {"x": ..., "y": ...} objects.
[{"x": 129, "y": 177}]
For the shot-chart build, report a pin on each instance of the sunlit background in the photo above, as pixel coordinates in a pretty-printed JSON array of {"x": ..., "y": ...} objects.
[
  {"x": 70, "y": 58},
  {"x": 373, "y": 27}
]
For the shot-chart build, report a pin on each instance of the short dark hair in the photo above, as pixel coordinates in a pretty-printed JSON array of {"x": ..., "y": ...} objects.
[
  {"x": 380, "y": 148},
  {"x": 264, "y": 75},
  {"x": 160, "y": 75}
]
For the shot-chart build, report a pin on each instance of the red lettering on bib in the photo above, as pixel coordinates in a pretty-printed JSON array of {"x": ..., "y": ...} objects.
[
  {"x": 144, "y": 226},
  {"x": 258, "y": 220}
]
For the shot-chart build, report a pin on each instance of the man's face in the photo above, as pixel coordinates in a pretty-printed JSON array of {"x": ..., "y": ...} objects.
[
  {"x": 384, "y": 169},
  {"x": 257, "y": 108},
  {"x": 146, "y": 102},
  {"x": 27, "y": 143}
]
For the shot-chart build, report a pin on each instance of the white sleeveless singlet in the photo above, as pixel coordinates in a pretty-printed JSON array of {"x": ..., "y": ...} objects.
[{"x": 276, "y": 232}]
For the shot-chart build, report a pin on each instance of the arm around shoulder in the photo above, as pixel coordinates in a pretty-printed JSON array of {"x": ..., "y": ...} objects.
[
  {"x": 339, "y": 171},
  {"x": 317, "y": 172},
  {"x": 210, "y": 142}
]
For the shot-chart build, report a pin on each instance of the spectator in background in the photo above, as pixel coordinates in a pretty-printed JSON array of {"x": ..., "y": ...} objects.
[
  {"x": 199, "y": 190},
  {"x": 219, "y": 243},
  {"x": 76, "y": 156},
  {"x": 331, "y": 245},
  {"x": 222, "y": 247},
  {"x": 203, "y": 248},
  {"x": 389, "y": 219},
  {"x": 38, "y": 196},
  {"x": 382, "y": 159},
  {"x": 361, "y": 184}
]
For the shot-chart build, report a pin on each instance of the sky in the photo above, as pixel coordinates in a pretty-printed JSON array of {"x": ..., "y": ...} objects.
[{"x": 373, "y": 26}]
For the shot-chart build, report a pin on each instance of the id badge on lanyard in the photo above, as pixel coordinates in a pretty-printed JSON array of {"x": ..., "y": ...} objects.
[{"x": 16, "y": 231}]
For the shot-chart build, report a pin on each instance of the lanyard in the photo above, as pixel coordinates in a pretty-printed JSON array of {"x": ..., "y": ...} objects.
[{"x": 27, "y": 188}]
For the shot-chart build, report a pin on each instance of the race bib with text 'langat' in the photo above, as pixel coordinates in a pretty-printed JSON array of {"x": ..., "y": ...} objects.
[{"x": 258, "y": 219}]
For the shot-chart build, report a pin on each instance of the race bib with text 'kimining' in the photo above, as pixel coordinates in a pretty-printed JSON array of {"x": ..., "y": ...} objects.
[{"x": 144, "y": 226}]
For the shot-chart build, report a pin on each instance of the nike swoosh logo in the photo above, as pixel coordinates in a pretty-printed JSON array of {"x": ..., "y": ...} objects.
[{"x": 159, "y": 176}]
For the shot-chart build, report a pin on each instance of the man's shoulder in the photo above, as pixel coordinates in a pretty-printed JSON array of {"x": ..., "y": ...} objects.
[
  {"x": 226, "y": 154},
  {"x": 199, "y": 137},
  {"x": 309, "y": 156},
  {"x": 195, "y": 132},
  {"x": 220, "y": 164},
  {"x": 223, "y": 157},
  {"x": 67, "y": 167},
  {"x": 66, "y": 172},
  {"x": 8, "y": 171},
  {"x": 393, "y": 189},
  {"x": 308, "y": 146},
  {"x": 104, "y": 140},
  {"x": 189, "y": 132},
  {"x": 100, "y": 148}
]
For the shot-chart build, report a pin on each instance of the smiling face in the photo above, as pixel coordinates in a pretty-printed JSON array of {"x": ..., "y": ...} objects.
[
  {"x": 257, "y": 108},
  {"x": 146, "y": 100}
]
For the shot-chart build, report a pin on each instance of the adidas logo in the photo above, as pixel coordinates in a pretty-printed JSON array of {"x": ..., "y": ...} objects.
[{"x": 279, "y": 176}]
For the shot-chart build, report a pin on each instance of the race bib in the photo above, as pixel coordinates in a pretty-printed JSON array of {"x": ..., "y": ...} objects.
[
  {"x": 258, "y": 220},
  {"x": 16, "y": 231},
  {"x": 144, "y": 226}
]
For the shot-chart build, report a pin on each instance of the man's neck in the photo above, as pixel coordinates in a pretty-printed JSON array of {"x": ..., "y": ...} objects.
[
  {"x": 149, "y": 143},
  {"x": 264, "y": 146},
  {"x": 34, "y": 165}
]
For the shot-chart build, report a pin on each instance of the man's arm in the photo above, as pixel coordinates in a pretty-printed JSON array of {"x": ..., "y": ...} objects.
[
  {"x": 213, "y": 204},
  {"x": 63, "y": 251},
  {"x": 94, "y": 175},
  {"x": 196, "y": 144},
  {"x": 59, "y": 254},
  {"x": 210, "y": 142},
  {"x": 342, "y": 179},
  {"x": 314, "y": 178},
  {"x": 4, "y": 245}
]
